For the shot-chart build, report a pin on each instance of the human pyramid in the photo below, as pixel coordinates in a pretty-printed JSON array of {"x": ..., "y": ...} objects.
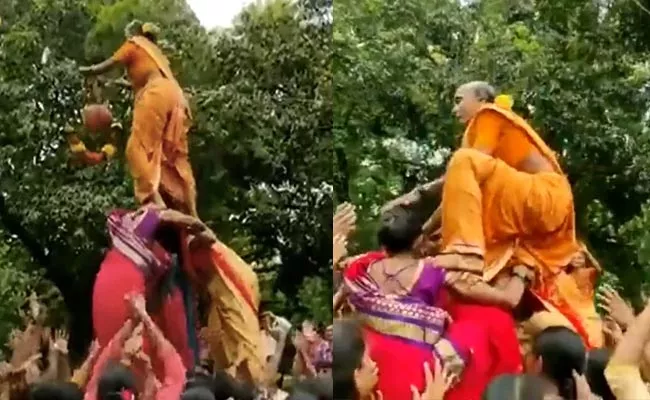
[
  {"x": 162, "y": 256},
  {"x": 470, "y": 287}
]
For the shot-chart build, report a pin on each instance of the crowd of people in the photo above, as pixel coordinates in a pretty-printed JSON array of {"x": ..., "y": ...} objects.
[
  {"x": 480, "y": 288},
  {"x": 298, "y": 360}
]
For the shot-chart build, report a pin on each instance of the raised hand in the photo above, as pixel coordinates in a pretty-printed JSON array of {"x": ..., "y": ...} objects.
[
  {"x": 344, "y": 220},
  {"x": 435, "y": 387},
  {"x": 60, "y": 342},
  {"x": 138, "y": 304},
  {"x": 133, "y": 345},
  {"x": 612, "y": 331},
  {"x": 617, "y": 308}
]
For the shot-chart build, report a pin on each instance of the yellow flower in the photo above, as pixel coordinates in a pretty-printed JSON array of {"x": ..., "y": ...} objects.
[
  {"x": 78, "y": 147},
  {"x": 504, "y": 101},
  {"x": 149, "y": 27},
  {"x": 109, "y": 150}
]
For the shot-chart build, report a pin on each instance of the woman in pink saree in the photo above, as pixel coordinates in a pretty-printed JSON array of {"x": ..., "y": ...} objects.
[
  {"x": 397, "y": 296},
  {"x": 137, "y": 263}
]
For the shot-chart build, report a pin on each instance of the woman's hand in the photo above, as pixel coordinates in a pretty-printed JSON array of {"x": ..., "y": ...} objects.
[
  {"x": 613, "y": 332},
  {"x": 344, "y": 220},
  {"x": 435, "y": 387},
  {"x": 60, "y": 342},
  {"x": 138, "y": 305},
  {"x": 615, "y": 306}
]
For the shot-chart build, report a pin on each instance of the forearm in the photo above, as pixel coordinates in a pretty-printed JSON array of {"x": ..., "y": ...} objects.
[
  {"x": 162, "y": 345},
  {"x": 52, "y": 372},
  {"x": 475, "y": 289},
  {"x": 630, "y": 349},
  {"x": 102, "y": 68},
  {"x": 432, "y": 187}
]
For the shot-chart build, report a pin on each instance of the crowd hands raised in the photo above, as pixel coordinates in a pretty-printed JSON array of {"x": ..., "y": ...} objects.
[
  {"x": 557, "y": 366},
  {"x": 39, "y": 367}
]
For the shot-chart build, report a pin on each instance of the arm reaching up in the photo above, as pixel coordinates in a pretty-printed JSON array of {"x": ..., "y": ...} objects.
[
  {"x": 622, "y": 373},
  {"x": 172, "y": 385}
]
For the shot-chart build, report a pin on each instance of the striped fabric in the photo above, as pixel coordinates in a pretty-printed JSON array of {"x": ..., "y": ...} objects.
[{"x": 131, "y": 234}]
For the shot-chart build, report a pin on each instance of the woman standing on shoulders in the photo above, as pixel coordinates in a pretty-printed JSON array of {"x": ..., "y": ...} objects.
[{"x": 157, "y": 150}]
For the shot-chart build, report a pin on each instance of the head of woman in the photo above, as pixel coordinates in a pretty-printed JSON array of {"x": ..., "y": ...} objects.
[
  {"x": 117, "y": 383},
  {"x": 353, "y": 371},
  {"x": 138, "y": 28},
  {"x": 470, "y": 97},
  {"x": 55, "y": 391},
  {"x": 557, "y": 353},
  {"x": 400, "y": 229},
  {"x": 515, "y": 387}
]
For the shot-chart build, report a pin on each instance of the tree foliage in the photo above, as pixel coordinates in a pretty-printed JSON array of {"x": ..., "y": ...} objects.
[
  {"x": 574, "y": 73},
  {"x": 261, "y": 97}
]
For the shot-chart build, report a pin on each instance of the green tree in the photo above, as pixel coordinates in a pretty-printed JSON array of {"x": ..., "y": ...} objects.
[
  {"x": 580, "y": 79},
  {"x": 261, "y": 96}
]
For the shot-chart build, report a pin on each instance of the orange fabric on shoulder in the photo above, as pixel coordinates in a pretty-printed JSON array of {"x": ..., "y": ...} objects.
[
  {"x": 139, "y": 65},
  {"x": 491, "y": 132}
]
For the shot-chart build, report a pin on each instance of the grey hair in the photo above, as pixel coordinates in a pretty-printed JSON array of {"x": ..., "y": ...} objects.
[
  {"x": 482, "y": 90},
  {"x": 133, "y": 28}
]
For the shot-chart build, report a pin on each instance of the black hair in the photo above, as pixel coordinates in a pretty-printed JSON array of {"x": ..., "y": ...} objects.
[
  {"x": 152, "y": 38},
  {"x": 562, "y": 352},
  {"x": 115, "y": 378},
  {"x": 515, "y": 387},
  {"x": 197, "y": 393},
  {"x": 225, "y": 387},
  {"x": 320, "y": 388},
  {"x": 347, "y": 354},
  {"x": 199, "y": 379},
  {"x": 597, "y": 360},
  {"x": 55, "y": 391},
  {"x": 400, "y": 228}
]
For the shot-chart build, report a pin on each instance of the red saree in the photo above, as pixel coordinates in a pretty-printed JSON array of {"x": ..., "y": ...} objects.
[
  {"x": 403, "y": 333},
  {"x": 129, "y": 267}
]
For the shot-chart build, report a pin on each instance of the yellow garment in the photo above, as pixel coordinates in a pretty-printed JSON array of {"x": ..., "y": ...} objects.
[
  {"x": 233, "y": 319},
  {"x": 486, "y": 202},
  {"x": 626, "y": 383},
  {"x": 157, "y": 149}
]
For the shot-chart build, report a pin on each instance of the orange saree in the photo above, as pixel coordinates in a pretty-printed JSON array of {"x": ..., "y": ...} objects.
[
  {"x": 235, "y": 338},
  {"x": 157, "y": 150},
  {"x": 509, "y": 217}
]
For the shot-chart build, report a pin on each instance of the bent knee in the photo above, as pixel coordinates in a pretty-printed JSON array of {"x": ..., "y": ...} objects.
[{"x": 467, "y": 157}]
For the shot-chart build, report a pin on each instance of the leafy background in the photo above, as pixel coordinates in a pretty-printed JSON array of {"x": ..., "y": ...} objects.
[
  {"x": 261, "y": 94},
  {"x": 578, "y": 71}
]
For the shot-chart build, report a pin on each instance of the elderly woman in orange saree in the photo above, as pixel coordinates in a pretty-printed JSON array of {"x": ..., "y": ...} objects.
[
  {"x": 506, "y": 202},
  {"x": 157, "y": 149}
]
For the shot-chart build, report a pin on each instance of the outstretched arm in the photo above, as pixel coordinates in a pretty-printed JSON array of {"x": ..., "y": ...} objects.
[
  {"x": 99, "y": 69},
  {"x": 122, "y": 56},
  {"x": 473, "y": 288}
]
